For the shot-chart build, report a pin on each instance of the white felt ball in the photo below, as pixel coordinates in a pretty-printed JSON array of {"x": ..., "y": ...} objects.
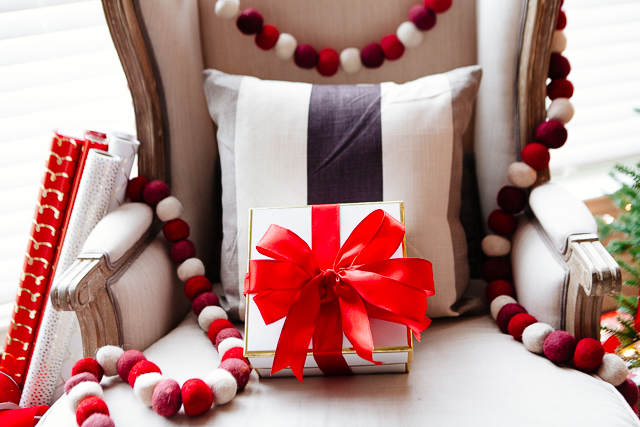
[
  {"x": 228, "y": 343},
  {"x": 145, "y": 385},
  {"x": 209, "y": 315},
  {"x": 227, "y": 9},
  {"x": 534, "y": 335},
  {"x": 189, "y": 268},
  {"x": 223, "y": 386},
  {"x": 409, "y": 34},
  {"x": 559, "y": 42},
  {"x": 107, "y": 357},
  {"x": 350, "y": 60},
  {"x": 612, "y": 369},
  {"x": 82, "y": 391},
  {"x": 498, "y": 303},
  {"x": 560, "y": 110},
  {"x": 521, "y": 174},
  {"x": 494, "y": 245},
  {"x": 169, "y": 208},
  {"x": 286, "y": 46}
]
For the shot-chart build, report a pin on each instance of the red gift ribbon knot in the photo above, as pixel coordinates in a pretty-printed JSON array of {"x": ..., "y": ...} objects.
[{"x": 331, "y": 289}]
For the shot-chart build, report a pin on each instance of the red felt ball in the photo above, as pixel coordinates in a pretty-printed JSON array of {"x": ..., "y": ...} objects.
[
  {"x": 197, "y": 285},
  {"x": 438, "y": 6},
  {"x": 422, "y": 17},
  {"x": 181, "y": 250},
  {"x": 536, "y": 155},
  {"x": 250, "y": 21},
  {"x": 240, "y": 371},
  {"x": 499, "y": 287},
  {"x": 216, "y": 327},
  {"x": 305, "y": 56},
  {"x": 227, "y": 333},
  {"x": 204, "y": 300},
  {"x": 629, "y": 390},
  {"x": 560, "y": 88},
  {"x": 392, "y": 47},
  {"x": 495, "y": 269},
  {"x": 89, "y": 406},
  {"x": 98, "y": 420},
  {"x": 267, "y": 37},
  {"x": 77, "y": 379},
  {"x": 154, "y": 192},
  {"x": 588, "y": 355},
  {"x": 559, "y": 346},
  {"x": 197, "y": 397},
  {"x": 512, "y": 199},
  {"x": 167, "y": 398},
  {"x": 552, "y": 133},
  {"x": 176, "y": 229},
  {"x": 372, "y": 55},
  {"x": 519, "y": 323},
  {"x": 135, "y": 188},
  {"x": 127, "y": 361},
  {"x": 328, "y": 62},
  {"x": 505, "y": 315},
  {"x": 502, "y": 222},
  {"x": 561, "y": 23},
  {"x": 140, "y": 368},
  {"x": 559, "y": 66},
  {"x": 88, "y": 364},
  {"x": 235, "y": 353}
]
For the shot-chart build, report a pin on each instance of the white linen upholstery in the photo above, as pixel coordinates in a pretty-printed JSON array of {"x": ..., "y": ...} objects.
[{"x": 465, "y": 373}]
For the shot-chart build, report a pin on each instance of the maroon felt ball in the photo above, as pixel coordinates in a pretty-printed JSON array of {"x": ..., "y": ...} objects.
[
  {"x": 588, "y": 355},
  {"x": 240, "y": 371},
  {"x": 227, "y": 333},
  {"x": 495, "y": 269},
  {"x": 438, "y": 6},
  {"x": 267, "y": 37},
  {"x": 135, "y": 187},
  {"x": 519, "y": 323},
  {"x": 560, "y": 88},
  {"x": 502, "y": 222},
  {"x": 250, "y": 21},
  {"x": 216, "y": 327},
  {"x": 497, "y": 288},
  {"x": 89, "y": 406},
  {"x": 512, "y": 199},
  {"x": 197, "y": 285},
  {"x": 140, "y": 368},
  {"x": 305, "y": 56},
  {"x": 505, "y": 315},
  {"x": 154, "y": 192},
  {"x": 197, "y": 397},
  {"x": 561, "y": 23},
  {"x": 328, "y": 62},
  {"x": 422, "y": 17},
  {"x": 552, "y": 133},
  {"x": 98, "y": 420},
  {"x": 235, "y": 353},
  {"x": 88, "y": 364},
  {"x": 629, "y": 390},
  {"x": 372, "y": 55},
  {"x": 167, "y": 398},
  {"x": 204, "y": 300},
  {"x": 559, "y": 346},
  {"x": 392, "y": 47},
  {"x": 127, "y": 361},
  {"x": 559, "y": 66},
  {"x": 176, "y": 229},
  {"x": 181, "y": 250},
  {"x": 536, "y": 155},
  {"x": 77, "y": 379}
]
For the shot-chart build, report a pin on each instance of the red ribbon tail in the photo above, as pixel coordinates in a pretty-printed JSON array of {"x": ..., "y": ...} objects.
[{"x": 327, "y": 340}]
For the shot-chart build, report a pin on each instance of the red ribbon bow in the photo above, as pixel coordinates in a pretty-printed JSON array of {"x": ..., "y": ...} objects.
[{"x": 323, "y": 294}]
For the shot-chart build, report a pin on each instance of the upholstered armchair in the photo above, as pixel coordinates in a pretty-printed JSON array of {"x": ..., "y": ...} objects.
[{"x": 125, "y": 292}]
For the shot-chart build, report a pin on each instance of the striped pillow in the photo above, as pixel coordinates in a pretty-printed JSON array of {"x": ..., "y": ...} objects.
[{"x": 294, "y": 144}]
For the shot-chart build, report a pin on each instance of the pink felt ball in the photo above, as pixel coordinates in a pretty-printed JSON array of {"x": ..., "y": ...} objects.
[
  {"x": 267, "y": 37},
  {"x": 204, "y": 300},
  {"x": 559, "y": 66},
  {"x": 536, "y": 155},
  {"x": 561, "y": 23},
  {"x": 519, "y": 323},
  {"x": 629, "y": 390},
  {"x": 250, "y": 21},
  {"x": 89, "y": 406},
  {"x": 392, "y": 47},
  {"x": 559, "y": 346},
  {"x": 227, "y": 333},
  {"x": 235, "y": 353},
  {"x": 496, "y": 268},
  {"x": 98, "y": 420},
  {"x": 505, "y": 315},
  {"x": 551, "y": 133},
  {"x": 175, "y": 230},
  {"x": 88, "y": 364},
  {"x": 77, "y": 379},
  {"x": 154, "y": 192},
  {"x": 512, "y": 199},
  {"x": 372, "y": 55},
  {"x": 422, "y": 17},
  {"x": 197, "y": 397},
  {"x": 502, "y": 222},
  {"x": 197, "y": 285},
  {"x": 182, "y": 250},
  {"x": 560, "y": 88},
  {"x": 135, "y": 187},
  {"x": 240, "y": 371},
  {"x": 588, "y": 355},
  {"x": 438, "y": 6},
  {"x": 127, "y": 361},
  {"x": 140, "y": 368},
  {"x": 328, "y": 62},
  {"x": 216, "y": 327},
  {"x": 305, "y": 56},
  {"x": 167, "y": 398},
  {"x": 497, "y": 288}
]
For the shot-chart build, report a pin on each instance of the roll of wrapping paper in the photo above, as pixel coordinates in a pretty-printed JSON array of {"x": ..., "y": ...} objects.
[
  {"x": 46, "y": 372},
  {"x": 126, "y": 147},
  {"x": 51, "y": 207}
]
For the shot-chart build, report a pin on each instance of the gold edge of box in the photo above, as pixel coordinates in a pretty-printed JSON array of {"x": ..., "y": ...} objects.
[
  {"x": 341, "y": 204},
  {"x": 405, "y": 349}
]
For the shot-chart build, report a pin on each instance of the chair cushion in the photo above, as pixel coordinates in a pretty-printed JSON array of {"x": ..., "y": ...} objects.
[
  {"x": 465, "y": 372},
  {"x": 291, "y": 144}
]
